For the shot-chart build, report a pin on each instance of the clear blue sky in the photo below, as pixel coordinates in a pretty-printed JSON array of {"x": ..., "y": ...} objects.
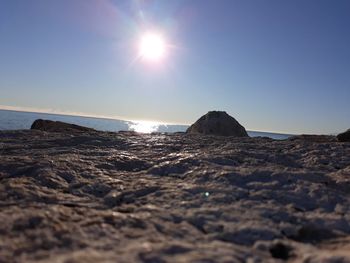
[{"x": 274, "y": 65}]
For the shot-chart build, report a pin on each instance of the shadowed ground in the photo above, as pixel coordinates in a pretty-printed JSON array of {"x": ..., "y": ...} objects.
[{"x": 126, "y": 197}]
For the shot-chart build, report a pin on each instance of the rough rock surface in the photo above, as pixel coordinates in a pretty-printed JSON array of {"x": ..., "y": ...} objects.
[
  {"x": 128, "y": 197},
  {"x": 344, "y": 137},
  {"x": 313, "y": 138},
  {"x": 218, "y": 123},
  {"x": 57, "y": 126}
]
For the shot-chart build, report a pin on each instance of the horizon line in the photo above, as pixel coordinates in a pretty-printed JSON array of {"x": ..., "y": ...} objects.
[
  {"x": 82, "y": 114},
  {"x": 119, "y": 118}
]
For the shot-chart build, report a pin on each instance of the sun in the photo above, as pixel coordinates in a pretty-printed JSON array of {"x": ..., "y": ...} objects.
[{"x": 152, "y": 46}]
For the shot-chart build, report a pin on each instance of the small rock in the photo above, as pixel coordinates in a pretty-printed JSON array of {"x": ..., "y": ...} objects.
[
  {"x": 281, "y": 251},
  {"x": 113, "y": 198}
]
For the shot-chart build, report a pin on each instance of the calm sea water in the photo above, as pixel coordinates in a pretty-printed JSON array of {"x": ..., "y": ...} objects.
[{"x": 15, "y": 120}]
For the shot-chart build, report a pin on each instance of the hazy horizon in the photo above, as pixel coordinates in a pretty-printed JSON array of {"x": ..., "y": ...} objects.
[
  {"x": 143, "y": 126},
  {"x": 275, "y": 66}
]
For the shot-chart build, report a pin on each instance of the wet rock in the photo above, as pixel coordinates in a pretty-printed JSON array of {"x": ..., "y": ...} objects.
[
  {"x": 57, "y": 126},
  {"x": 218, "y": 123},
  {"x": 344, "y": 137}
]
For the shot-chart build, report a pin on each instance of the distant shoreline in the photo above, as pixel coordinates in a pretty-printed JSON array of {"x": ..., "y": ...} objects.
[
  {"x": 92, "y": 116},
  {"x": 123, "y": 120}
]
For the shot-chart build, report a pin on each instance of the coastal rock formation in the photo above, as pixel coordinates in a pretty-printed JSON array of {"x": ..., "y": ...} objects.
[
  {"x": 313, "y": 138},
  {"x": 87, "y": 197},
  {"x": 218, "y": 123},
  {"x": 344, "y": 137},
  {"x": 57, "y": 126}
]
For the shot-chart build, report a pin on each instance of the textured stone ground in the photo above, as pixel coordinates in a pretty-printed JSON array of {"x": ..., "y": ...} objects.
[{"x": 126, "y": 197}]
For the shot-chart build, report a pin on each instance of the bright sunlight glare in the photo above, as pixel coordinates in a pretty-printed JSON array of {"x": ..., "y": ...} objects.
[
  {"x": 152, "y": 46},
  {"x": 144, "y": 126}
]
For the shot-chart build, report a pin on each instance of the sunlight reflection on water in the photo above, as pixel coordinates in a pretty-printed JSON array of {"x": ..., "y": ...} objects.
[{"x": 144, "y": 126}]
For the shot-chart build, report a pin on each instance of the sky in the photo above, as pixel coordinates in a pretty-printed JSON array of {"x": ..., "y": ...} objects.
[{"x": 279, "y": 66}]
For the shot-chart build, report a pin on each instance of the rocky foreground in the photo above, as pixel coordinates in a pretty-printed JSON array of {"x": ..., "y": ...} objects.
[{"x": 124, "y": 197}]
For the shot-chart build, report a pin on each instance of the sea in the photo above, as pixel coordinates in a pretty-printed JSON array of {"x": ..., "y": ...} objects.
[{"x": 19, "y": 120}]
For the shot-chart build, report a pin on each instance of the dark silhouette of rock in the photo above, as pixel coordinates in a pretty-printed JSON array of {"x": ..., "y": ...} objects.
[
  {"x": 344, "y": 137},
  {"x": 280, "y": 250},
  {"x": 313, "y": 138},
  {"x": 57, "y": 126},
  {"x": 218, "y": 123}
]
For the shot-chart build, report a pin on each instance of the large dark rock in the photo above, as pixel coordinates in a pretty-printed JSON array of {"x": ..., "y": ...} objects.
[
  {"x": 57, "y": 126},
  {"x": 218, "y": 123},
  {"x": 344, "y": 137}
]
